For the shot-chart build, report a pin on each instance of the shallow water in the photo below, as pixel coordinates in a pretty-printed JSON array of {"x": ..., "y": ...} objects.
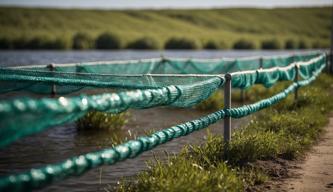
[{"x": 61, "y": 142}]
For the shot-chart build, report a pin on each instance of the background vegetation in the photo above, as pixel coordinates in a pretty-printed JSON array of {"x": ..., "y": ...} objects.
[{"x": 36, "y": 28}]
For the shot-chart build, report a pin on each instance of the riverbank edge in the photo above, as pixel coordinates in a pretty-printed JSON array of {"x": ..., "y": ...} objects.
[{"x": 253, "y": 166}]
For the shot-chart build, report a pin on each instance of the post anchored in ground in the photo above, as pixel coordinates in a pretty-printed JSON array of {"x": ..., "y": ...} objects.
[
  {"x": 227, "y": 105},
  {"x": 296, "y": 80}
]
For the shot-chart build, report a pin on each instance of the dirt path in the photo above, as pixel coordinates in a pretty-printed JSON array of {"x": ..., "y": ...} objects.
[{"x": 316, "y": 173}]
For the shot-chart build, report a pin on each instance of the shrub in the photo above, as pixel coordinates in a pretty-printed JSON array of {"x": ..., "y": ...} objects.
[
  {"x": 5, "y": 43},
  {"x": 82, "y": 41},
  {"x": 58, "y": 43},
  {"x": 303, "y": 45},
  {"x": 181, "y": 43},
  {"x": 211, "y": 45},
  {"x": 38, "y": 43},
  {"x": 143, "y": 43},
  {"x": 108, "y": 41},
  {"x": 244, "y": 44},
  {"x": 20, "y": 43},
  {"x": 96, "y": 120},
  {"x": 290, "y": 44},
  {"x": 271, "y": 44}
]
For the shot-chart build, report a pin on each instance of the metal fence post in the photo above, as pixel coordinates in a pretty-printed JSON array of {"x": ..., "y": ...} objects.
[
  {"x": 53, "y": 89},
  {"x": 227, "y": 105},
  {"x": 296, "y": 80},
  {"x": 261, "y": 61}
]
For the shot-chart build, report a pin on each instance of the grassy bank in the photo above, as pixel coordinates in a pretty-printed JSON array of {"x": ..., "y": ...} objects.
[
  {"x": 284, "y": 131},
  {"x": 35, "y": 28}
]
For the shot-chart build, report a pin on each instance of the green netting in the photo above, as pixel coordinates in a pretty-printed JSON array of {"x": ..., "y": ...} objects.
[
  {"x": 71, "y": 78},
  {"x": 38, "y": 178},
  {"x": 270, "y": 76},
  {"x": 179, "y": 91},
  {"x": 39, "y": 114}
]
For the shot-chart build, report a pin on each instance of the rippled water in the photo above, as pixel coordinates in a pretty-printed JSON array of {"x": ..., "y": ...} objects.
[{"x": 61, "y": 142}]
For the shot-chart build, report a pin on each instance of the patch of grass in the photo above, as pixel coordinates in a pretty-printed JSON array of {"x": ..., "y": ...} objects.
[
  {"x": 99, "y": 121},
  {"x": 284, "y": 131},
  {"x": 188, "y": 175}
]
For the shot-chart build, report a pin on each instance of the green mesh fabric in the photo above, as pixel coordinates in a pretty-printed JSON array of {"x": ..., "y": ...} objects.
[
  {"x": 149, "y": 90},
  {"x": 41, "y": 177},
  {"x": 39, "y": 114},
  {"x": 71, "y": 78},
  {"x": 270, "y": 76}
]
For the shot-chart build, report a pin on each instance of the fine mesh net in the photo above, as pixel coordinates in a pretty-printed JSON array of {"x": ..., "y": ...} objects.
[
  {"x": 183, "y": 83},
  {"x": 117, "y": 86}
]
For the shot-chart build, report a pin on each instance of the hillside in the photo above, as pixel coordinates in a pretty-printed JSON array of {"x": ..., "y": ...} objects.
[{"x": 226, "y": 26}]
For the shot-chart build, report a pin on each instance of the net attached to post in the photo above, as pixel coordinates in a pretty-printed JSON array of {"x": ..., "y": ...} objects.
[{"x": 168, "y": 82}]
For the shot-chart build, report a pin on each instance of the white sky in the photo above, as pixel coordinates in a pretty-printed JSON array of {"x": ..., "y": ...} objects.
[{"x": 141, "y": 4}]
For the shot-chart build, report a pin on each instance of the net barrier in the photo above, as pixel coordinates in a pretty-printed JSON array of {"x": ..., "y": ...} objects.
[
  {"x": 40, "y": 114},
  {"x": 71, "y": 78},
  {"x": 75, "y": 166}
]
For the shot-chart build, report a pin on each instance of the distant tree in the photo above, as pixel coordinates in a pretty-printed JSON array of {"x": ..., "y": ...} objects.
[
  {"x": 211, "y": 45},
  {"x": 5, "y": 43},
  {"x": 82, "y": 41},
  {"x": 181, "y": 43},
  {"x": 302, "y": 44},
  {"x": 290, "y": 44},
  {"x": 108, "y": 41},
  {"x": 271, "y": 44},
  {"x": 143, "y": 43},
  {"x": 243, "y": 44}
]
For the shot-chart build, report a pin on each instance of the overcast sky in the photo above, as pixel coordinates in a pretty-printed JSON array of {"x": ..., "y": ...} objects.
[{"x": 140, "y": 4}]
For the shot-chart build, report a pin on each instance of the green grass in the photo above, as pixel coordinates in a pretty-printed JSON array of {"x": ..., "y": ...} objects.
[
  {"x": 99, "y": 121},
  {"x": 216, "y": 25},
  {"x": 285, "y": 131}
]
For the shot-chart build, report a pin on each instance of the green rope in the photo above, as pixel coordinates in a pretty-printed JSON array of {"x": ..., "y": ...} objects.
[
  {"x": 41, "y": 177},
  {"x": 40, "y": 114}
]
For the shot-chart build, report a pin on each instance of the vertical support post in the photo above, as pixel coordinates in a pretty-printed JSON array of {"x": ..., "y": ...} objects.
[
  {"x": 296, "y": 80},
  {"x": 261, "y": 61},
  {"x": 227, "y": 105},
  {"x": 53, "y": 89}
]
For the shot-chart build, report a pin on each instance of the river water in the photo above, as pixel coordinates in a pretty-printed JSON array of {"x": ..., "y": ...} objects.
[{"x": 61, "y": 142}]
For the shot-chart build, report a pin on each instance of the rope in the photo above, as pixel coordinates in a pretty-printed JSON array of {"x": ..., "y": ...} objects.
[
  {"x": 41, "y": 177},
  {"x": 59, "y": 110}
]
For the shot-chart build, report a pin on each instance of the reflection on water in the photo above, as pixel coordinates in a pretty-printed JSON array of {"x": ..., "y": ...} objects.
[{"x": 61, "y": 142}]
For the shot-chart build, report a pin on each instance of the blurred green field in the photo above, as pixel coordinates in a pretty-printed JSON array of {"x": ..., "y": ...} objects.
[{"x": 225, "y": 26}]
